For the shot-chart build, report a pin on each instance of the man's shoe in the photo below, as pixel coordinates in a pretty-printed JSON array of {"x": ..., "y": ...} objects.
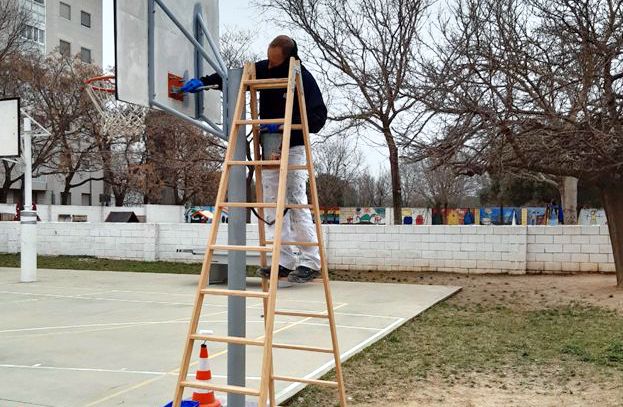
[
  {"x": 264, "y": 272},
  {"x": 303, "y": 274}
]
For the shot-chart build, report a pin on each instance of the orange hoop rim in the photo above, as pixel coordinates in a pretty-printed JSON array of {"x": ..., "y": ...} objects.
[{"x": 108, "y": 78}]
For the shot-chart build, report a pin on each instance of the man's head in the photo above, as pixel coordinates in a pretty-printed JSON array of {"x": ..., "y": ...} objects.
[{"x": 280, "y": 50}]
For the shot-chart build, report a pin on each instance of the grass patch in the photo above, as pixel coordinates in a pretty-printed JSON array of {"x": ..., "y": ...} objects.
[
  {"x": 92, "y": 263},
  {"x": 455, "y": 342}
]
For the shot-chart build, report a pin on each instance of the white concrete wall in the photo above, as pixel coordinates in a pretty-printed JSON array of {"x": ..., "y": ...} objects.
[{"x": 461, "y": 249}]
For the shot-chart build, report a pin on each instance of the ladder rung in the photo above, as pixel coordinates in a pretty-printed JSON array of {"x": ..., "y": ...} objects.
[
  {"x": 302, "y": 244},
  {"x": 303, "y": 380},
  {"x": 249, "y": 205},
  {"x": 301, "y": 347},
  {"x": 242, "y": 248},
  {"x": 222, "y": 388},
  {"x": 301, "y": 314},
  {"x": 267, "y": 83},
  {"x": 297, "y": 167},
  {"x": 261, "y": 121},
  {"x": 263, "y": 205},
  {"x": 256, "y": 163},
  {"x": 235, "y": 293},
  {"x": 227, "y": 339}
]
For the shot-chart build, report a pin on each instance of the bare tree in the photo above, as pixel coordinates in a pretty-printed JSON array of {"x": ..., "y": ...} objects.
[
  {"x": 14, "y": 22},
  {"x": 55, "y": 97},
  {"x": 366, "y": 51},
  {"x": 338, "y": 165},
  {"x": 533, "y": 87},
  {"x": 236, "y": 47},
  {"x": 182, "y": 161}
]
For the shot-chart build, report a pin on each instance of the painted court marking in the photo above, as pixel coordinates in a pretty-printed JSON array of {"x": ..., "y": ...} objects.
[{"x": 224, "y": 352}]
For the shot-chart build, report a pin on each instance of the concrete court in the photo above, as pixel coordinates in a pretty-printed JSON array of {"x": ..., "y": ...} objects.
[{"x": 92, "y": 338}]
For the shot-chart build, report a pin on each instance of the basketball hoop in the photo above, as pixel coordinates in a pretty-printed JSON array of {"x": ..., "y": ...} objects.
[{"x": 118, "y": 118}]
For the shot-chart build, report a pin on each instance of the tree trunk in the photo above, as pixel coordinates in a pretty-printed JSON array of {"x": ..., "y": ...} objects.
[
  {"x": 395, "y": 173},
  {"x": 569, "y": 200},
  {"x": 612, "y": 197}
]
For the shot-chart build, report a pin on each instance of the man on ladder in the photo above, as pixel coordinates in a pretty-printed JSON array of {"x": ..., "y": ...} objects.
[{"x": 297, "y": 223}]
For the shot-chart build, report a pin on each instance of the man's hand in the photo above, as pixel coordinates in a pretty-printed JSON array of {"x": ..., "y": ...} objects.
[
  {"x": 193, "y": 86},
  {"x": 271, "y": 128}
]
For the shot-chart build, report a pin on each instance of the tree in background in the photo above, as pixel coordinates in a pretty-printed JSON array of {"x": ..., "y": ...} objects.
[
  {"x": 533, "y": 87},
  {"x": 366, "y": 50},
  {"x": 54, "y": 95},
  {"x": 438, "y": 186},
  {"x": 338, "y": 165},
  {"x": 183, "y": 164},
  {"x": 14, "y": 22}
]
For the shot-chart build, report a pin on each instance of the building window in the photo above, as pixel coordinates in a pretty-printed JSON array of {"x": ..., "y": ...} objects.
[
  {"x": 35, "y": 34},
  {"x": 64, "y": 48},
  {"x": 85, "y": 19},
  {"x": 65, "y": 11},
  {"x": 85, "y": 55}
]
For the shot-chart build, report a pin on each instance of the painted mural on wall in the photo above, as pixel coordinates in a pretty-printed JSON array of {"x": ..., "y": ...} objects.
[
  {"x": 533, "y": 216},
  {"x": 455, "y": 216},
  {"x": 330, "y": 216},
  {"x": 416, "y": 216},
  {"x": 362, "y": 216},
  {"x": 592, "y": 216},
  {"x": 203, "y": 214},
  {"x": 500, "y": 216}
]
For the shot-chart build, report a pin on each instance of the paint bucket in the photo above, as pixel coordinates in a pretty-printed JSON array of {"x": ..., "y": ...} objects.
[{"x": 271, "y": 145}]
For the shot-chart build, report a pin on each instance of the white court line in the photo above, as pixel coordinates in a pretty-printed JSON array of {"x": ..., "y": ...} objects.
[
  {"x": 294, "y": 388},
  {"x": 83, "y": 369},
  {"x": 109, "y": 299}
]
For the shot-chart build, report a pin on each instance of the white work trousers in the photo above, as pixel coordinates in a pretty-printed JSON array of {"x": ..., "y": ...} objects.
[{"x": 297, "y": 223}]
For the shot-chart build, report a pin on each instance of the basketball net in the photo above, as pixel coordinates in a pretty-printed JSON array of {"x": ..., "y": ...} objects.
[{"x": 118, "y": 118}]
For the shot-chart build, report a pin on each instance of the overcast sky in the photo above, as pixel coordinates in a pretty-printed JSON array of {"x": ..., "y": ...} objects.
[{"x": 239, "y": 14}]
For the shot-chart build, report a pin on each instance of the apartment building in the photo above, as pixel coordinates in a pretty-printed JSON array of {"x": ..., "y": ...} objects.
[{"x": 72, "y": 27}]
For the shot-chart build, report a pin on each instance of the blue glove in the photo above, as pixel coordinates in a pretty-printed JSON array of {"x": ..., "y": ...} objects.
[
  {"x": 270, "y": 128},
  {"x": 192, "y": 86}
]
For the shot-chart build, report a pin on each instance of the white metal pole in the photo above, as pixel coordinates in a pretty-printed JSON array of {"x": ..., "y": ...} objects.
[{"x": 28, "y": 217}]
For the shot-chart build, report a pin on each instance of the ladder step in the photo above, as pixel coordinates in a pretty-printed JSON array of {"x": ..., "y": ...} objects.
[
  {"x": 255, "y": 342},
  {"x": 256, "y": 163},
  {"x": 267, "y": 83},
  {"x": 263, "y": 205},
  {"x": 302, "y": 244},
  {"x": 235, "y": 293},
  {"x": 297, "y": 167},
  {"x": 242, "y": 248},
  {"x": 301, "y": 347},
  {"x": 222, "y": 388},
  {"x": 304, "y": 380},
  {"x": 227, "y": 339},
  {"x": 267, "y": 163},
  {"x": 301, "y": 314},
  {"x": 261, "y": 121}
]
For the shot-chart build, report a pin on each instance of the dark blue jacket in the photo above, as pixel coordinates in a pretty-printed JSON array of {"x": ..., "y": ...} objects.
[{"x": 273, "y": 101}]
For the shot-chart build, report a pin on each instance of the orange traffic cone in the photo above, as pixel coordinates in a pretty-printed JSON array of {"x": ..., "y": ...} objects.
[{"x": 206, "y": 398}]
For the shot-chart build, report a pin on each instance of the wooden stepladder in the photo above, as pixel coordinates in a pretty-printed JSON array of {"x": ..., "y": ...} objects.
[{"x": 266, "y": 391}]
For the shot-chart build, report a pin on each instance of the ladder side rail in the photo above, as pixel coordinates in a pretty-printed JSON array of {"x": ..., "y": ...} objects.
[
  {"x": 320, "y": 239},
  {"x": 266, "y": 375}
]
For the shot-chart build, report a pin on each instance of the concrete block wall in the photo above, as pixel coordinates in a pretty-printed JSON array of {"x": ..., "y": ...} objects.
[
  {"x": 461, "y": 249},
  {"x": 569, "y": 248}
]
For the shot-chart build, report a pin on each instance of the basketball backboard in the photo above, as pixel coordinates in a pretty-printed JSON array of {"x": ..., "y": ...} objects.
[
  {"x": 160, "y": 43},
  {"x": 9, "y": 128}
]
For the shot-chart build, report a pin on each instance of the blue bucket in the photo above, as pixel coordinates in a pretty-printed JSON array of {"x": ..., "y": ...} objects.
[{"x": 185, "y": 403}]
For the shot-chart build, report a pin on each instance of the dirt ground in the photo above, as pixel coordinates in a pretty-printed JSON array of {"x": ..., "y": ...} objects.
[{"x": 507, "y": 387}]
